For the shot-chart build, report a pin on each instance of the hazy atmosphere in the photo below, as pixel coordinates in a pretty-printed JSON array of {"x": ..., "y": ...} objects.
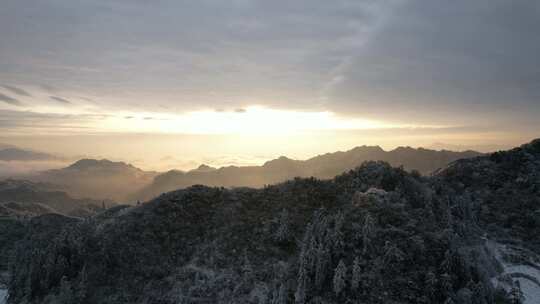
[
  {"x": 269, "y": 151},
  {"x": 241, "y": 82}
]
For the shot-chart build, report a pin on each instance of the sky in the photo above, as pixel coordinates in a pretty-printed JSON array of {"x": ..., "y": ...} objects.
[{"x": 169, "y": 83}]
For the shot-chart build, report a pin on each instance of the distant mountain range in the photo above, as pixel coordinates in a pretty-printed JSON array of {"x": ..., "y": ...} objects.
[
  {"x": 323, "y": 166},
  {"x": 8, "y": 153},
  {"x": 122, "y": 182},
  {"x": 98, "y": 179},
  {"x": 27, "y": 198}
]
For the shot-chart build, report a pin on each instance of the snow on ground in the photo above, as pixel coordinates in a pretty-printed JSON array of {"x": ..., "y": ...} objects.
[
  {"x": 3, "y": 295},
  {"x": 528, "y": 276},
  {"x": 531, "y": 291}
]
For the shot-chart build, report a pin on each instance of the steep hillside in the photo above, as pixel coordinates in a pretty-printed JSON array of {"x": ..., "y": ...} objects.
[
  {"x": 505, "y": 190},
  {"x": 375, "y": 234},
  {"x": 98, "y": 179},
  {"x": 13, "y": 209},
  {"x": 323, "y": 166}
]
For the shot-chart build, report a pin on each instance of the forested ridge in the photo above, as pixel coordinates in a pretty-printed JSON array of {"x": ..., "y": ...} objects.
[{"x": 375, "y": 234}]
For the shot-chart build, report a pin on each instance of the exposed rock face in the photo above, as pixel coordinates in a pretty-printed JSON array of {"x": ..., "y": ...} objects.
[{"x": 400, "y": 237}]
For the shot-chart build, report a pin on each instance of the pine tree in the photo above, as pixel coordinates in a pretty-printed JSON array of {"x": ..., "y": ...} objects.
[
  {"x": 356, "y": 273},
  {"x": 431, "y": 284},
  {"x": 392, "y": 253},
  {"x": 82, "y": 288},
  {"x": 282, "y": 233},
  {"x": 446, "y": 265},
  {"x": 480, "y": 293},
  {"x": 446, "y": 284},
  {"x": 449, "y": 217},
  {"x": 449, "y": 300},
  {"x": 340, "y": 275},
  {"x": 300, "y": 294},
  {"x": 282, "y": 295},
  {"x": 337, "y": 235},
  {"x": 367, "y": 232},
  {"x": 247, "y": 269},
  {"x": 65, "y": 295},
  {"x": 321, "y": 265}
]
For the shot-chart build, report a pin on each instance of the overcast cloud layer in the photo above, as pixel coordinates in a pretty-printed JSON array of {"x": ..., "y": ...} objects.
[{"x": 462, "y": 62}]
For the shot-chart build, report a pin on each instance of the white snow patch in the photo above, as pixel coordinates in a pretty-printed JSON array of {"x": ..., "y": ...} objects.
[
  {"x": 3, "y": 296},
  {"x": 527, "y": 276},
  {"x": 531, "y": 291}
]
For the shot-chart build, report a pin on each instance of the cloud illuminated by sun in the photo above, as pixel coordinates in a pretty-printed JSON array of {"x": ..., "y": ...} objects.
[{"x": 251, "y": 120}]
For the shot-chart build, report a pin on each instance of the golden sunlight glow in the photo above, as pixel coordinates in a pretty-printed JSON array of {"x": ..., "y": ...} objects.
[{"x": 252, "y": 120}]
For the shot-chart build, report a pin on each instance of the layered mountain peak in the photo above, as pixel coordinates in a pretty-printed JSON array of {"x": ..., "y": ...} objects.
[
  {"x": 367, "y": 149},
  {"x": 88, "y": 164},
  {"x": 280, "y": 169},
  {"x": 203, "y": 168},
  {"x": 99, "y": 179},
  {"x": 407, "y": 149},
  {"x": 282, "y": 160}
]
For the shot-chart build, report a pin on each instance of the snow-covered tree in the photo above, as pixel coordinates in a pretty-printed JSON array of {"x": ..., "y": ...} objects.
[
  {"x": 481, "y": 294},
  {"x": 392, "y": 253},
  {"x": 446, "y": 265},
  {"x": 449, "y": 300},
  {"x": 321, "y": 265},
  {"x": 282, "y": 232},
  {"x": 82, "y": 288},
  {"x": 449, "y": 217},
  {"x": 431, "y": 284},
  {"x": 259, "y": 294},
  {"x": 446, "y": 284},
  {"x": 65, "y": 295},
  {"x": 337, "y": 233},
  {"x": 356, "y": 273},
  {"x": 282, "y": 295},
  {"x": 340, "y": 276},
  {"x": 300, "y": 294},
  {"x": 247, "y": 269},
  {"x": 367, "y": 232}
]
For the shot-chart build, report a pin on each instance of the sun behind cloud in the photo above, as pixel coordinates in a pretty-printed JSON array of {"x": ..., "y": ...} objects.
[{"x": 251, "y": 120}]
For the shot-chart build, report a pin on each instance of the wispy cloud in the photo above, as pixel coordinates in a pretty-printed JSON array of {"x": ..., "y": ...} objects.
[
  {"x": 16, "y": 90},
  {"x": 60, "y": 99},
  {"x": 10, "y": 100},
  {"x": 28, "y": 122}
]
